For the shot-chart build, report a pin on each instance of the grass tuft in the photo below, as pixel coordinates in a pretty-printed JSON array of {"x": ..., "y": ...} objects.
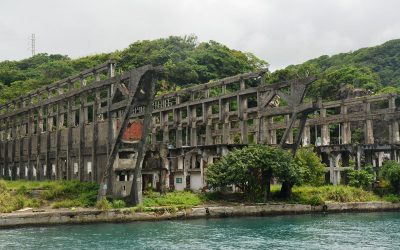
[
  {"x": 183, "y": 198},
  {"x": 392, "y": 198},
  {"x": 103, "y": 204}
]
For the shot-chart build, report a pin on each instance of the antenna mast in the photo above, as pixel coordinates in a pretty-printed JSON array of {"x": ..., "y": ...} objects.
[{"x": 33, "y": 43}]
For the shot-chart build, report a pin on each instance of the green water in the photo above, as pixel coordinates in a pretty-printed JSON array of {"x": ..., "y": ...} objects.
[{"x": 332, "y": 231}]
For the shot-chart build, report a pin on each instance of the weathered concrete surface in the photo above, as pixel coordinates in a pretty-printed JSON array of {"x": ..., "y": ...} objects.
[
  {"x": 126, "y": 215},
  {"x": 361, "y": 207}
]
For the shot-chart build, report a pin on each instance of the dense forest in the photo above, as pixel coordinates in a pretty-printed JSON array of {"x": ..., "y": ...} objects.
[{"x": 186, "y": 61}]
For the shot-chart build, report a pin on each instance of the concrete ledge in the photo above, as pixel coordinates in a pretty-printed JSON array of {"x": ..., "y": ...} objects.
[
  {"x": 361, "y": 207},
  {"x": 126, "y": 215}
]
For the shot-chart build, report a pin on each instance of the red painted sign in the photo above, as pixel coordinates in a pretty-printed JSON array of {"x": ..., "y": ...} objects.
[{"x": 133, "y": 131}]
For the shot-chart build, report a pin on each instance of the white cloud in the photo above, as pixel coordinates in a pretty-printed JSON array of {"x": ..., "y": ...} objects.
[{"x": 282, "y": 32}]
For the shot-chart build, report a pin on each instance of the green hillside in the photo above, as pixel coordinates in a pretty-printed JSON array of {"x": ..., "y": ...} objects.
[
  {"x": 185, "y": 61},
  {"x": 384, "y": 60},
  {"x": 374, "y": 68}
]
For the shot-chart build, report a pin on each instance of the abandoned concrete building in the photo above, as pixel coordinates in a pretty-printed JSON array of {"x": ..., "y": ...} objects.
[{"x": 69, "y": 130}]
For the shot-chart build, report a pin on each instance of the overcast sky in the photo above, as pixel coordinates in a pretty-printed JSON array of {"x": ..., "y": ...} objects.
[{"x": 282, "y": 32}]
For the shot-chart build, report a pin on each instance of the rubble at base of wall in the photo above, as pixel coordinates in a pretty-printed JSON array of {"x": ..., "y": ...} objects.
[{"x": 126, "y": 215}]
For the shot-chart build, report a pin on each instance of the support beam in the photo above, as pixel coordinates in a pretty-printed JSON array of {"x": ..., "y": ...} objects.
[{"x": 141, "y": 91}]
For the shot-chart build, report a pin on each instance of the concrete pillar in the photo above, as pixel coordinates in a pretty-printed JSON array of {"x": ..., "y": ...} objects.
[
  {"x": 178, "y": 136},
  {"x": 337, "y": 168},
  {"x": 218, "y": 139},
  {"x": 368, "y": 127},
  {"x": 153, "y": 131},
  {"x": 273, "y": 136},
  {"x": 208, "y": 121},
  {"x": 306, "y": 140},
  {"x": 139, "y": 187},
  {"x": 224, "y": 151},
  {"x": 193, "y": 127},
  {"x": 289, "y": 139},
  {"x": 358, "y": 158},
  {"x": 392, "y": 103},
  {"x": 369, "y": 132},
  {"x": 334, "y": 169},
  {"x": 259, "y": 137},
  {"x": 164, "y": 123},
  {"x": 204, "y": 157},
  {"x": 178, "y": 121},
  {"x": 180, "y": 162},
  {"x": 395, "y": 136},
  {"x": 325, "y": 133},
  {"x": 226, "y": 127},
  {"x": 394, "y": 125},
  {"x": 242, "y": 114},
  {"x": 271, "y": 133},
  {"x": 193, "y": 136},
  {"x": 380, "y": 158},
  {"x": 346, "y": 131},
  {"x": 343, "y": 132}
]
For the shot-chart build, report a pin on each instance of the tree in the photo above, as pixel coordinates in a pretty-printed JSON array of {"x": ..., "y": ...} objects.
[
  {"x": 252, "y": 168},
  {"x": 10, "y": 73},
  {"x": 391, "y": 172},
  {"x": 218, "y": 61},
  {"x": 52, "y": 71},
  {"x": 349, "y": 76},
  {"x": 313, "y": 170},
  {"x": 300, "y": 71},
  {"x": 389, "y": 90}
]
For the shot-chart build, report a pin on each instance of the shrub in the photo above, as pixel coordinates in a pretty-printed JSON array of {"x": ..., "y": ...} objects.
[
  {"x": 318, "y": 195},
  {"x": 313, "y": 170},
  {"x": 315, "y": 200},
  {"x": 11, "y": 202},
  {"x": 361, "y": 178},
  {"x": 103, "y": 204},
  {"x": 118, "y": 204},
  {"x": 8, "y": 202},
  {"x": 391, "y": 173},
  {"x": 392, "y": 198}
]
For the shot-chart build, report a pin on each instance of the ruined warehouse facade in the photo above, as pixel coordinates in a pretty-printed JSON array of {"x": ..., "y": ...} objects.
[
  {"x": 72, "y": 128},
  {"x": 198, "y": 125},
  {"x": 69, "y": 129}
]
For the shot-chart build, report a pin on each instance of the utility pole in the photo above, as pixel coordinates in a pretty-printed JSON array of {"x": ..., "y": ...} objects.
[{"x": 33, "y": 44}]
